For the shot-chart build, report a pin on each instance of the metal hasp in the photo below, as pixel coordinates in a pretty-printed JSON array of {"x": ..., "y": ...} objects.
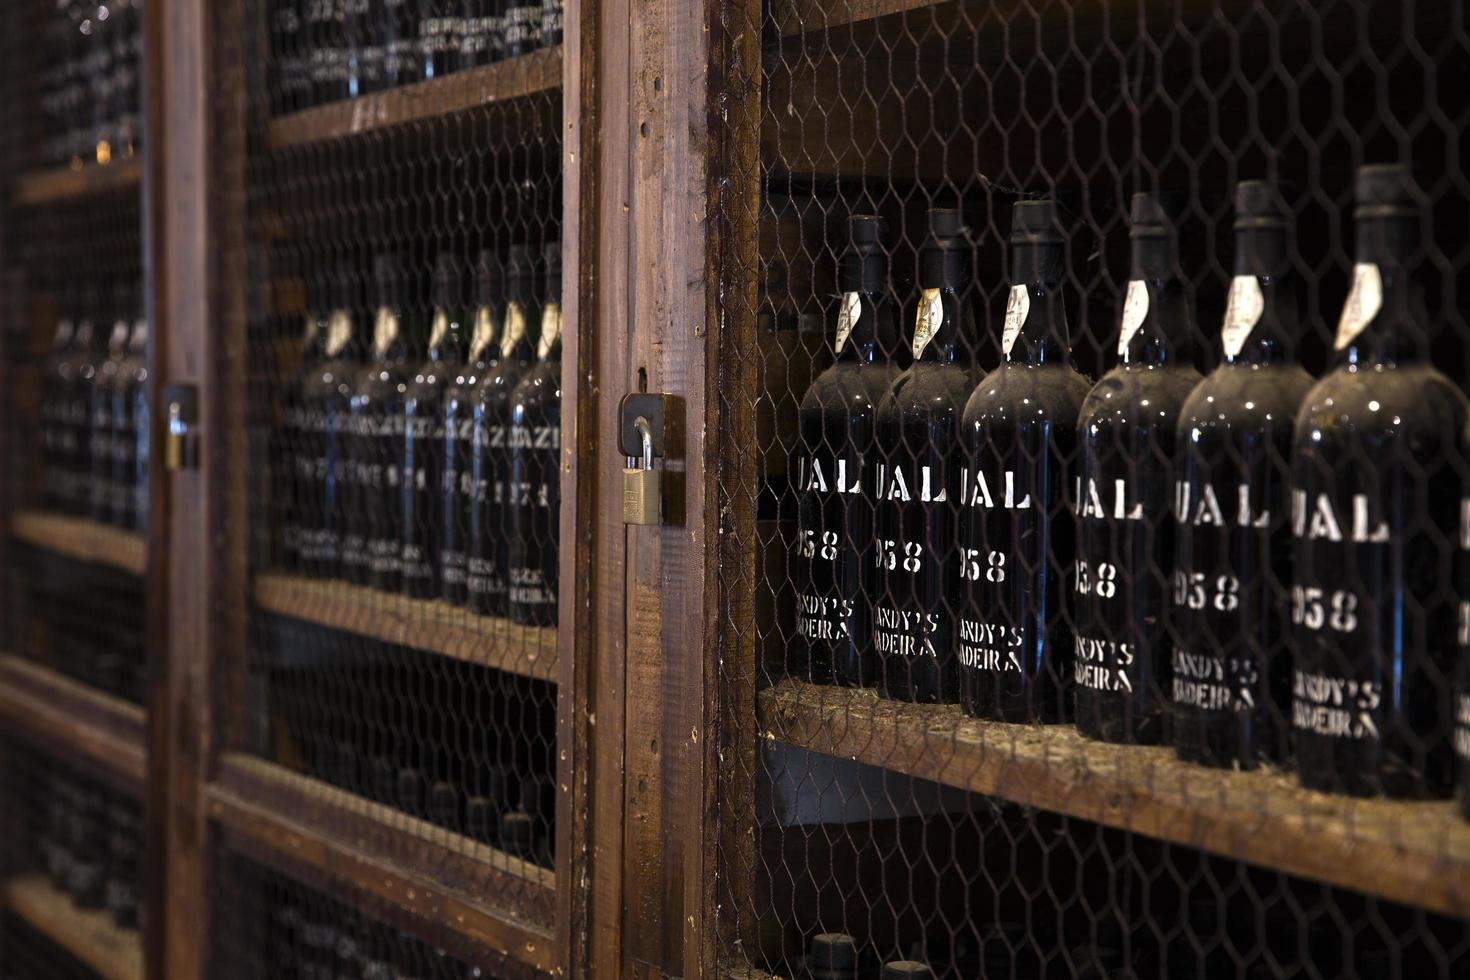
[
  {"x": 643, "y": 435},
  {"x": 181, "y": 439}
]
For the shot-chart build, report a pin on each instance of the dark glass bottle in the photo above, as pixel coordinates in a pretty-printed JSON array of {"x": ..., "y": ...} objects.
[
  {"x": 124, "y": 861},
  {"x": 326, "y": 25},
  {"x": 834, "y": 561},
  {"x": 367, "y": 54},
  {"x": 1375, "y": 505},
  {"x": 288, "y": 50},
  {"x": 917, "y": 434},
  {"x": 480, "y": 39},
  {"x": 377, "y": 435},
  {"x": 76, "y": 403},
  {"x": 398, "y": 27},
  {"x": 489, "y": 563},
  {"x": 126, "y": 19},
  {"x": 551, "y": 23},
  {"x": 99, "y": 82},
  {"x": 1125, "y": 545},
  {"x": 101, "y": 487},
  {"x": 295, "y": 439},
  {"x": 459, "y": 488},
  {"x": 55, "y": 454},
  {"x": 534, "y": 489},
  {"x": 440, "y": 27},
  {"x": 1231, "y": 665},
  {"x": 130, "y": 423},
  {"x": 329, "y": 524},
  {"x": 423, "y": 431},
  {"x": 520, "y": 25},
  {"x": 1017, "y": 538}
]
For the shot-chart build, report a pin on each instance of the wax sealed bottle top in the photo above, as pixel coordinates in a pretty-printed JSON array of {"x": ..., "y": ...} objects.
[
  {"x": 448, "y": 288},
  {"x": 1262, "y": 227},
  {"x": 489, "y": 279},
  {"x": 864, "y": 264},
  {"x": 943, "y": 259},
  {"x": 1385, "y": 189},
  {"x": 1259, "y": 205},
  {"x": 832, "y": 956},
  {"x": 1153, "y": 220},
  {"x": 388, "y": 281},
  {"x": 1036, "y": 242},
  {"x": 906, "y": 970}
]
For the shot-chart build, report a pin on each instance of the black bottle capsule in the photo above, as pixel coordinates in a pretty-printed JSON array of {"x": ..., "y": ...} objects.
[
  {"x": 423, "y": 431},
  {"x": 130, "y": 424},
  {"x": 1231, "y": 667},
  {"x": 534, "y": 489},
  {"x": 371, "y": 548},
  {"x": 832, "y": 956},
  {"x": 1125, "y": 544},
  {"x": 834, "y": 560},
  {"x": 328, "y": 525},
  {"x": 917, "y": 482},
  {"x": 1375, "y": 514},
  {"x": 459, "y": 488},
  {"x": 906, "y": 970},
  {"x": 1017, "y": 538},
  {"x": 490, "y": 538}
]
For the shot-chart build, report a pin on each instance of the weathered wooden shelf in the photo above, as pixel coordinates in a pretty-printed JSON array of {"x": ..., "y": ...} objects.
[
  {"x": 1412, "y": 852},
  {"x": 360, "y": 849},
  {"x": 423, "y": 624},
  {"x": 88, "y": 934},
  {"x": 502, "y": 81},
  {"x": 69, "y": 717},
  {"x": 82, "y": 539},
  {"x": 67, "y": 183}
]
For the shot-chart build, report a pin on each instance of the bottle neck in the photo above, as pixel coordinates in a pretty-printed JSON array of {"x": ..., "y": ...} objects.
[
  {"x": 1263, "y": 313},
  {"x": 1384, "y": 316},
  {"x": 1036, "y": 329},
  {"x": 1156, "y": 329}
]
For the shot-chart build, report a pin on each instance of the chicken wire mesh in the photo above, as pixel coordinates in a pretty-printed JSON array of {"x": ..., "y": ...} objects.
[
  {"x": 1091, "y": 514},
  {"x": 391, "y": 383}
]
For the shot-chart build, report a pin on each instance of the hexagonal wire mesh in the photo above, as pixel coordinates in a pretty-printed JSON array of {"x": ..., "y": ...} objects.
[
  {"x": 1028, "y": 677},
  {"x": 388, "y": 238}
]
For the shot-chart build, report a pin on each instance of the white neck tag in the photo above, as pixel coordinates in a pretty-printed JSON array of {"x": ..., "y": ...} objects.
[
  {"x": 1364, "y": 301},
  {"x": 1018, "y": 308},
  {"x": 928, "y": 321},
  {"x": 1135, "y": 311},
  {"x": 847, "y": 318},
  {"x": 1242, "y": 312}
]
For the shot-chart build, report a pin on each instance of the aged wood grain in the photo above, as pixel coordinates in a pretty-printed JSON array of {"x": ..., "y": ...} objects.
[
  {"x": 82, "y": 539},
  {"x": 1412, "y": 852},
  {"x": 71, "y": 183},
  {"x": 88, "y": 934}
]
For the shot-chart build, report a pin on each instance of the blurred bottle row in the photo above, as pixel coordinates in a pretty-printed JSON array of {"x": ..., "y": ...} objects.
[
  {"x": 90, "y": 83},
  {"x": 326, "y": 50},
  {"x": 90, "y": 840},
  {"x": 94, "y": 407}
]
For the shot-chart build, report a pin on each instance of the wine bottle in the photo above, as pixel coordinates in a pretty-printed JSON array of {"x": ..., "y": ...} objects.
[
  {"x": 459, "y": 488},
  {"x": 480, "y": 39},
  {"x": 424, "y": 463},
  {"x": 130, "y": 422},
  {"x": 917, "y": 433},
  {"x": 520, "y": 26},
  {"x": 397, "y": 25},
  {"x": 126, "y": 17},
  {"x": 1125, "y": 526},
  {"x": 832, "y": 956},
  {"x": 290, "y": 77},
  {"x": 534, "y": 489},
  {"x": 295, "y": 440},
  {"x": 330, "y": 528},
  {"x": 367, "y": 55},
  {"x": 104, "y": 391},
  {"x": 489, "y": 562},
  {"x": 1017, "y": 539},
  {"x": 1375, "y": 506},
  {"x": 551, "y": 23},
  {"x": 55, "y": 451},
  {"x": 834, "y": 561},
  {"x": 326, "y": 28},
  {"x": 76, "y": 404},
  {"x": 440, "y": 29},
  {"x": 1232, "y": 558},
  {"x": 377, "y": 436}
]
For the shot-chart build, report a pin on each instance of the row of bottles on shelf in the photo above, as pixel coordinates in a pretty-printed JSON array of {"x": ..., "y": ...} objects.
[
  {"x": 90, "y": 841},
  {"x": 1253, "y": 561},
  {"x": 94, "y": 409},
  {"x": 91, "y": 82},
  {"x": 425, "y": 458},
  {"x": 326, "y": 50},
  {"x": 505, "y": 808}
]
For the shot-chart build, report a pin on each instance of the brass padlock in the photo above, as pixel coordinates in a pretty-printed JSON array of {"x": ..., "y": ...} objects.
[{"x": 641, "y": 492}]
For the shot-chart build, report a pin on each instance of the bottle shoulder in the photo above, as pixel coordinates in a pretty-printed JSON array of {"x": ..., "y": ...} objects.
[
  {"x": 1247, "y": 395},
  {"x": 1017, "y": 391},
  {"x": 849, "y": 386},
  {"x": 1383, "y": 401},
  {"x": 540, "y": 386},
  {"x": 1135, "y": 393},
  {"x": 928, "y": 390}
]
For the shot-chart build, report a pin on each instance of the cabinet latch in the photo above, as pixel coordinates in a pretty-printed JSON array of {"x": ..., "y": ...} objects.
[{"x": 181, "y": 439}]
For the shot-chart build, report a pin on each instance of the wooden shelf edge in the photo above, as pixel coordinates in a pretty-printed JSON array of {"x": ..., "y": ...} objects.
[
  {"x": 502, "y": 81},
  {"x": 83, "y": 540},
  {"x": 424, "y": 624},
  {"x": 65, "y": 183},
  {"x": 72, "y": 718},
  {"x": 89, "y": 935},
  {"x": 438, "y": 878},
  {"x": 1417, "y": 853}
]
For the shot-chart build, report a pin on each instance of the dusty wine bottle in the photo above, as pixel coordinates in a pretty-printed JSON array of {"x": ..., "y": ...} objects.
[
  {"x": 423, "y": 431},
  {"x": 54, "y": 426},
  {"x": 1017, "y": 537},
  {"x": 440, "y": 27},
  {"x": 329, "y": 528},
  {"x": 833, "y": 956},
  {"x": 489, "y": 562},
  {"x": 293, "y": 443},
  {"x": 76, "y": 402},
  {"x": 1375, "y": 510},
  {"x": 1120, "y": 494},
  {"x": 520, "y": 26},
  {"x": 534, "y": 490},
  {"x": 130, "y": 422},
  {"x": 326, "y": 30},
  {"x": 917, "y": 432},
  {"x": 397, "y": 29},
  {"x": 377, "y": 436},
  {"x": 459, "y": 488},
  {"x": 104, "y": 393},
  {"x": 1231, "y": 667},
  {"x": 834, "y": 559}
]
